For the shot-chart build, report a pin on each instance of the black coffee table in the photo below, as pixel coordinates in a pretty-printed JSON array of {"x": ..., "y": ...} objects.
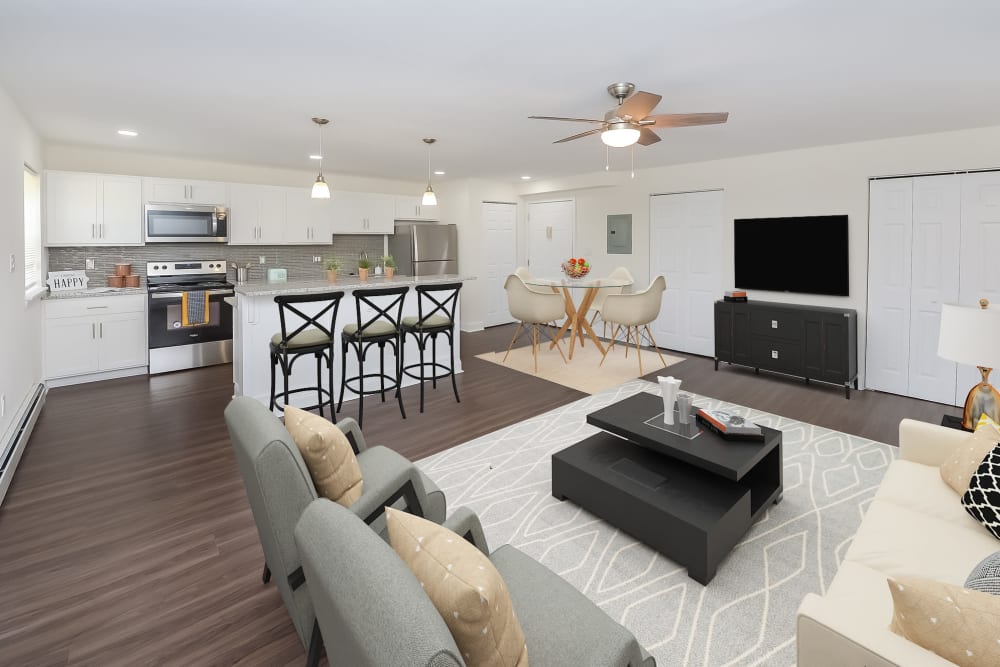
[{"x": 691, "y": 499}]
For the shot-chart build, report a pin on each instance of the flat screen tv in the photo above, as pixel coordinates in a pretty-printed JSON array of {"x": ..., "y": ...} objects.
[{"x": 804, "y": 254}]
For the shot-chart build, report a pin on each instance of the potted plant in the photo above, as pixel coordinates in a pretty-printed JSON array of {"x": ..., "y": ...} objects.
[
  {"x": 390, "y": 266},
  {"x": 364, "y": 265},
  {"x": 332, "y": 266}
]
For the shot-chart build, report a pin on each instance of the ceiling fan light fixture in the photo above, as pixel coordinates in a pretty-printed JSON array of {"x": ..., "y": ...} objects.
[{"x": 620, "y": 136}]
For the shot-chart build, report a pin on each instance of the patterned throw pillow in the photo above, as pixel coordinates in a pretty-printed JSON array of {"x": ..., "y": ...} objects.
[
  {"x": 328, "y": 455},
  {"x": 966, "y": 457},
  {"x": 465, "y": 588},
  {"x": 985, "y": 577},
  {"x": 982, "y": 500},
  {"x": 958, "y": 624}
]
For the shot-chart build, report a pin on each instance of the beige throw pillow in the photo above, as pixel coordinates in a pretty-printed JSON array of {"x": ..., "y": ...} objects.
[
  {"x": 328, "y": 455},
  {"x": 465, "y": 588},
  {"x": 959, "y": 468},
  {"x": 959, "y": 625}
]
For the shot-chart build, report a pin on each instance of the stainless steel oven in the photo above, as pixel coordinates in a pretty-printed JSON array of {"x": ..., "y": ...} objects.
[
  {"x": 180, "y": 223},
  {"x": 174, "y": 345}
]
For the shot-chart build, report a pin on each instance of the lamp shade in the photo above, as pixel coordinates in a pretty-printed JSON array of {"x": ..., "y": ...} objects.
[
  {"x": 429, "y": 198},
  {"x": 970, "y": 335},
  {"x": 320, "y": 189}
]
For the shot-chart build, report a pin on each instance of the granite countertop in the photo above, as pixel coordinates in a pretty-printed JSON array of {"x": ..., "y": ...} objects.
[
  {"x": 264, "y": 288},
  {"x": 95, "y": 291}
]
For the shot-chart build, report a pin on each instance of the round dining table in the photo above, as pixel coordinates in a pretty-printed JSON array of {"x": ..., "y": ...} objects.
[{"x": 586, "y": 290}]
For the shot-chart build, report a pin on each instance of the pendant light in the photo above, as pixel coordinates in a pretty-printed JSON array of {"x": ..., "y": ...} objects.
[
  {"x": 320, "y": 189},
  {"x": 429, "y": 199}
]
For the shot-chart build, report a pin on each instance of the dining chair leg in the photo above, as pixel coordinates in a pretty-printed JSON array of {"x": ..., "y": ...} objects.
[
  {"x": 655, "y": 346},
  {"x": 555, "y": 341},
  {"x": 516, "y": 334},
  {"x": 638, "y": 349},
  {"x": 628, "y": 339},
  {"x": 615, "y": 328},
  {"x": 534, "y": 345},
  {"x": 605, "y": 355}
]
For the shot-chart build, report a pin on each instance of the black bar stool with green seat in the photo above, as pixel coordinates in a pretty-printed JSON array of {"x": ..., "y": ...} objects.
[
  {"x": 311, "y": 337},
  {"x": 379, "y": 326},
  {"x": 436, "y": 306}
]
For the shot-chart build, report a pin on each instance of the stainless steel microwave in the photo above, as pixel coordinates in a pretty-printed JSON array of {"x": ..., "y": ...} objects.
[{"x": 180, "y": 223}]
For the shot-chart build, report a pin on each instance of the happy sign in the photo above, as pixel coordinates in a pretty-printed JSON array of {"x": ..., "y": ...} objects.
[{"x": 67, "y": 281}]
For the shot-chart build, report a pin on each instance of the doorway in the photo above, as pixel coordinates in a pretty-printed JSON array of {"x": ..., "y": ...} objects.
[{"x": 499, "y": 221}]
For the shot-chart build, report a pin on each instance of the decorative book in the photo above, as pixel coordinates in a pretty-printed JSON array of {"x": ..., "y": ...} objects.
[{"x": 729, "y": 425}]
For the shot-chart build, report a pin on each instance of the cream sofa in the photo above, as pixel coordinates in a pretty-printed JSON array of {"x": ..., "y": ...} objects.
[{"x": 915, "y": 526}]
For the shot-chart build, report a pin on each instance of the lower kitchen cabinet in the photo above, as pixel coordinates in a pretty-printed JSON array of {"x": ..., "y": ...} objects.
[{"x": 94, "y": 338}]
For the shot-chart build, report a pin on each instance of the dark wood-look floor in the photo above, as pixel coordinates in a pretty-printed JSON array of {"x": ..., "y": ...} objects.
[{"x": 126, "y": 537}]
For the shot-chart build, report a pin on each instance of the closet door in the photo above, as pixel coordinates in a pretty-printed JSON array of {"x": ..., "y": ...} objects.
[
  {"x": 890, "y": 241},
  {"x": 980, "y": 257},
  {"x": 934, "y": 280}
]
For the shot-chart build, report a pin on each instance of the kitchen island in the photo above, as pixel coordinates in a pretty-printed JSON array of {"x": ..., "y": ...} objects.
[{"x": 255, "y": 320}]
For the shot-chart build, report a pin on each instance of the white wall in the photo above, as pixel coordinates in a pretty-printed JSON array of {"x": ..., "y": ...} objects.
[
  {"x": 20, "y": 339},
  {"x": 461, "y": 203},
  {"x": 134, "y": 163},
  {"x": 815, "y": 181}
]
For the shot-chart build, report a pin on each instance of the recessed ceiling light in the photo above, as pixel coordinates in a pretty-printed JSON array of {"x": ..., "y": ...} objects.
[
  {"x": 315, "y": 157},
  {"x": 439, "y": 173},
  {"x": 128, "y": 133},
  {"x": 526, "y": 178}
]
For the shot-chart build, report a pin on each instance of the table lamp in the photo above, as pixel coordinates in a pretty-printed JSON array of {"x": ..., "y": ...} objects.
[{"x": 971, "y": 336}]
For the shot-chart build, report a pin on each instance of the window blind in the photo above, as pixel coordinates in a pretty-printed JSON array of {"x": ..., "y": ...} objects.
[{"x": 32, "y": 230}]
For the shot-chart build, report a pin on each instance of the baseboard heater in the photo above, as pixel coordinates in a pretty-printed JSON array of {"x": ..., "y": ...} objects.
[{"x": 13, "y": 447}]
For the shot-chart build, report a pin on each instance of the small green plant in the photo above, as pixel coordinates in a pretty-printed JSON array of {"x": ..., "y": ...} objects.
[
  {"x": 388, "y": 262},
  {"x": 332, "y": 264},
  {"x": 364, "y": 263}
]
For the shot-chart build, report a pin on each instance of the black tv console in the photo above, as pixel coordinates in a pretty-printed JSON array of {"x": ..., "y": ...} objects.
[{"x": 811, "y": 342}]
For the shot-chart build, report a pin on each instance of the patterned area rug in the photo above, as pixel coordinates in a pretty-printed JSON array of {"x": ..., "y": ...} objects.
[{"x": 746, "y": 615}]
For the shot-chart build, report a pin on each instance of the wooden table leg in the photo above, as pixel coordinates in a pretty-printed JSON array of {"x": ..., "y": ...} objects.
[
  {"x": 569, "y": 320},
  {"x": 588, "y": 299}
]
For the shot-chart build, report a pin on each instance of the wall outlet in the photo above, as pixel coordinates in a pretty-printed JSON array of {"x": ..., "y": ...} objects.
[
  {"x": 90, "y": 264},
  {"x": 262, "y": 260},
  {"x": 317, "y": 259}
]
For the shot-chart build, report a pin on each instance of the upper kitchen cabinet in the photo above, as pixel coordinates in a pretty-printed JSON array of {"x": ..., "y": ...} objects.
[
  {"x": 410, "y": 208},
  {"x": 257, "y": 215},
  {"x": 92, "y": 209},
  {"x": 363, "y": 213},
  {"x": 173, "y": 191},
  {"x": 307, "y": 219}
]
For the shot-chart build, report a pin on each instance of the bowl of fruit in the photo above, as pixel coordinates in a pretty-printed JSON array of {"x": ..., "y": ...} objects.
[{"x": 576, "y": 267}]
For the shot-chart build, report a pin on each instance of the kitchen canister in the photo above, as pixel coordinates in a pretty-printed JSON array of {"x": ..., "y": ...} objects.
[
  {"x": 123, "y": 269},
  {"x": 132, "y": 280},
  {"x": 116, "y": 281}
]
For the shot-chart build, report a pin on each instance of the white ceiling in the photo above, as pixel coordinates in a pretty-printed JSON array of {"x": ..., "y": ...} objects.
[{"x": 238, "y": 80}]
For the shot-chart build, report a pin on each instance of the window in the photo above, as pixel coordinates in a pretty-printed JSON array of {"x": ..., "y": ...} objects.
[{"x": 32, "y": 232}]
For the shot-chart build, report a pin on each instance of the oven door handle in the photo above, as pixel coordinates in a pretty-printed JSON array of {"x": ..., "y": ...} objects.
[{"x": 178, "y": 295}]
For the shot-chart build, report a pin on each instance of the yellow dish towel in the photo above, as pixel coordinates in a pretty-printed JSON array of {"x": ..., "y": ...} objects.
[{"x": 194, "y": 309}]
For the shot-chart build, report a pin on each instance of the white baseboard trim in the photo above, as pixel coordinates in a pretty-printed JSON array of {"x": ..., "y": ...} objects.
[
  {"x": 94, "y": 377},
  {"x": 16, "y": 438},
  {"x": 472, "y": 327}
]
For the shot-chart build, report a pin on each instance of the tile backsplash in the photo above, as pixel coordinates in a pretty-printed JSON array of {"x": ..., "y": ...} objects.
[{"x": 298, "y": 259}]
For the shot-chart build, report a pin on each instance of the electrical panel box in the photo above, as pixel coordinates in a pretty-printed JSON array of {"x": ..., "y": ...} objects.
[{"x": 620, "y": 234}]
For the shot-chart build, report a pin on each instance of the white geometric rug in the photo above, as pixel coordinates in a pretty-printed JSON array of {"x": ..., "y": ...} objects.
[{"x": 746, "y": 615}]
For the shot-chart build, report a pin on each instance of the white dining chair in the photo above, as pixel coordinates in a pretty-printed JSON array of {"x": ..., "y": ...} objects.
[
  {"x": 634, "y": 312},
  {"x": 534, "y": 309},
  {"x": 524, "y": 274},
  {"x": 620, "y": 273}
]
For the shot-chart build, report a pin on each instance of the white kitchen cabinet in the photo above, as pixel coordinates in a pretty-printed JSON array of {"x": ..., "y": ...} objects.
[
  {"x": 92, "y": 209},
  {"x": 410, "y": 208},
  {"x": 257, "y": 215},
  {"x": 176, "y": 191},
  {"x": 363, "y": 213},
  {"x": 92, "y": 338},
  {"x": 307, "y": 219}
]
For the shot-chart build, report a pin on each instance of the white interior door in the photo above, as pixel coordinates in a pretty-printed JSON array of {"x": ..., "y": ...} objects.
[
  {"x": 933, "y": 281},
  {"x": 980, "y": 263},
  {"x": 500, "y": 238},
  {"x": 550, "y": 236},
  {"x": 685, "y": 236},
  {"x": 890, "y": 242}
]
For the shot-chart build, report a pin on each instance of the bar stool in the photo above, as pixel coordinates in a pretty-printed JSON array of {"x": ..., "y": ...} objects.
[
  {"x": 311, "y": 337},
  {"x": 382, "y": 328},
  {"x": 435, "y": 315}
]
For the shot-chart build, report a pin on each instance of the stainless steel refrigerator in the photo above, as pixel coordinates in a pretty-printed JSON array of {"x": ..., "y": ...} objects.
[{"x": 424, "y": 248}]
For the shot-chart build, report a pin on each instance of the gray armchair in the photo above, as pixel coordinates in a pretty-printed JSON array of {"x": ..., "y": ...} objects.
[
  {"x": 279, "y": 488},
  {"x": 371, "y": 607}
]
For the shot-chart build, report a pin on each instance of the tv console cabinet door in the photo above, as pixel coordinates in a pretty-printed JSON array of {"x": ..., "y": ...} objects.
[
  {"x": 742, "y": 353},
  {"x": 723, "y": 331}
]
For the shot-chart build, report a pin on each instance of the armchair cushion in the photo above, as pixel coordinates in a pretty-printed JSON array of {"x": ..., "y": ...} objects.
[
  {"x": 465, "y": 588},
  {"x": 958, "y": 469},
  {"x": 328, "y": 455}
]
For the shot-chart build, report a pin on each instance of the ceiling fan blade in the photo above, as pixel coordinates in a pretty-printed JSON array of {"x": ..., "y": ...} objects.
[
  {"x": 572, "y": 120},
  {"x": 582, "y": 134},
  {"x": 647, "y": 137},
  {"x": 687, "y": 119},
  {"x": 638, "y": 105}
]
